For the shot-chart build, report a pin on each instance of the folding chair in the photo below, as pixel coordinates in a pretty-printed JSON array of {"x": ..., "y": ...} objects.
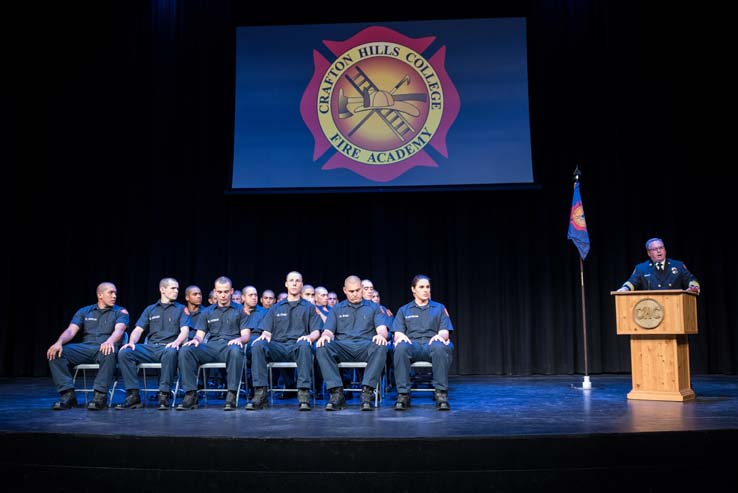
[
  {"x": 202, "y": 372},
  {"x": 85, "y": 367},
  {"x": 356, "y": 365},
  {"x": 287, "y": 364},
  {"x": 421, "y": 364},
  {"x": 142, "y": 367}
]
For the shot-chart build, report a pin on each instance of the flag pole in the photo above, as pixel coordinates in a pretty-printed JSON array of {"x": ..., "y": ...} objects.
[{"x": 586, "y": 383}]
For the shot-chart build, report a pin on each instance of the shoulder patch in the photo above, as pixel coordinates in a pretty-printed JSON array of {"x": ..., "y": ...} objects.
[
  {"x": 187, "y": 311},
  {"x": 123, "y": 310},
  {"x": 445, "y": 310}
]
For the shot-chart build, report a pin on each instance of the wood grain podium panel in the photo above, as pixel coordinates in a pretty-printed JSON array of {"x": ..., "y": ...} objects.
[
  {"x": 660, "y": 368},
  {"x": 677, "y": 313},
  {"x": 658, "y": 323}
]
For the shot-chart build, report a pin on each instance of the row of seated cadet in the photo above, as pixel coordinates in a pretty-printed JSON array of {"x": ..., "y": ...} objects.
[
  {"x": 211, "y": 381},
  {"x": 293, "y": 333}
]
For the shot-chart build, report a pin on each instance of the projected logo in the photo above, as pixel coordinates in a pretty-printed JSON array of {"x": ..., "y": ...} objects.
[{"x": 379, "y": 104}]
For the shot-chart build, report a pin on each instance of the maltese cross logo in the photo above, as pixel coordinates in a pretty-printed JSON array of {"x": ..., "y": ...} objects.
[{"x": 379, "y": 103}]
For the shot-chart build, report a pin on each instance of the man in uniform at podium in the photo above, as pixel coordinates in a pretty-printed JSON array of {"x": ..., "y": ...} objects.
[{"x": 660, "y": 273}]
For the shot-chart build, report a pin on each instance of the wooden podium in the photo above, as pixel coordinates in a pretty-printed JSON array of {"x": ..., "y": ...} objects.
[{"x": 658, "y": 323}]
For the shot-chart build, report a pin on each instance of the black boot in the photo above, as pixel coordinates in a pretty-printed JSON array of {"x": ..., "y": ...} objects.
[
  {"x": 189, "y": 402},
  {"x": 337, "y": 400},
  {"x": 133, "y": 401},
  {"x": 230, "y": 401},
  {"x": 164, "y": 404},
  {"x": 403, "y": 402},
  {"x": 303, "y": 400},
  {"x": 367, "y": 394},
  {"x": 442, "y": 400},
  {"x": 99, "y": 401},
  {"x": 67, "y": 401},
  {"x": 259, "y": 400}
]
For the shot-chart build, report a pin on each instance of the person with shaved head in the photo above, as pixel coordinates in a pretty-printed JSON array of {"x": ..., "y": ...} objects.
[
  {"x": 225, "y": 325},
  {"x": 354, "y": 330},
  {"x": 166, "y": 324},
  {"x": 255, "y": 313},
  {"x": 288, "y": 331},
  {"x": 102, "y": 325}
]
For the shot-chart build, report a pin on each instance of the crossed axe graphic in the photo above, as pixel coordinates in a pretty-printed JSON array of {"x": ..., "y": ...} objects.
[{"x": 371, "y": 94}]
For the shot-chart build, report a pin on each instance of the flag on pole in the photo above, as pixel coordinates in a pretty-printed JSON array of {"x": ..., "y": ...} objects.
[{"x": 577, "y": 225}]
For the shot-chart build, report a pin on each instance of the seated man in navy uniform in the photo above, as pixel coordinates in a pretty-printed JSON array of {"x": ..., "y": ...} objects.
[
  {"x": 354, "y": 330},
  {"x": 288, "y": 331},
  {"x": 224, "y": 324},
  {"x": 659, "y": 272},
  {"x": 102, "y": 324},
  {"x": 193, "y": 297},
  {"x": 167, "y": 325},
  {"x": 255, "y": 314}
]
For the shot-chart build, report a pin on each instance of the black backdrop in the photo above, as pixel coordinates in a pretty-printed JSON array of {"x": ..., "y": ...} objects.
[{"x": 120, "y": 143}]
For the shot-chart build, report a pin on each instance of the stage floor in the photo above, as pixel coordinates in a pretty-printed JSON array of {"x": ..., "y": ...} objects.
[
  {"x": 480, "y": 406},
  {"x": 502, "y": 434}
]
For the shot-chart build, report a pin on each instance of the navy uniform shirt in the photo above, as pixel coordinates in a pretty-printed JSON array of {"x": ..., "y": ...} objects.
[
  {"x": 162, "y": 321},
  {"x": 322, "y": 312},
  {"x": 675, "y": 276},
  {"x": 421, "y": 323},
  {"x": 193, "y": 321},
  {"x": 222, "y": 323},
  {"x": 255, "y": 318},
  {"x": 388, "y": 316},
  {"x": 354, "y": 321},
  {"x": 97, "y": 324},
  {"x": 290, "y": 320}
]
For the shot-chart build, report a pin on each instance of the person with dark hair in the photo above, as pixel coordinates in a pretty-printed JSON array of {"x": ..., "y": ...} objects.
[
  {"x": 252, "y": 308},
  {"x": 660, "y": 272},
  {"x": 321, "y": 301},
  {"x": 255, "y": 313},
  {"x": 102, "y": 325},
  {"x": 332, "y": 299},
  {"x": 268, "y": 298},
  {"x": 167, "y": 325},
  {"x": 288, "y": 330},
  {"x": 390, "y": 377},
  {"x": 367, "y": 289},
  {"x": 308, "y": 293},
  {"x": 386, "y": 311},
  {"x": 422, "y": 331},
  {"x": 237, "y": 297},
  {"x": 225, "y": 325},
  {"x": 193, "y": 297},
  {"x": 354, "y": 330}
]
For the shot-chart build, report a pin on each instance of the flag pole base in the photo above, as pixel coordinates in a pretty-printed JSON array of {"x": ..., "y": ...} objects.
[{"x": 586, "y": 384}]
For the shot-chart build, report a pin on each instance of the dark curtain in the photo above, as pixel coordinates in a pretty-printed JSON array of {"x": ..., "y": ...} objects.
[{"x": 121, "y": 139}]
